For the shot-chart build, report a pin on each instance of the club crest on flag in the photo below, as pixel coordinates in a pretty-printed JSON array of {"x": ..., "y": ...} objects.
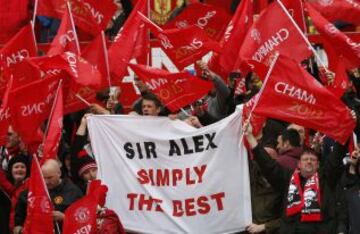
[
  {"x": 45, "y": 205},
  {"x": 255, "y": 34},
  {"x": 165, "y": 41},
  {"x": 82, "y": 215}
]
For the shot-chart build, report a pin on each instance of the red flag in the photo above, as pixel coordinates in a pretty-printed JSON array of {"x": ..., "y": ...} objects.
[
  {"x": 296, "y": 10},
  {"x": 256, "y": 121},
  {"x": 80, "y": 217},
  {"x": 13, "y": 54},
  {"x": 39, "y": 218},
  {"x": 183, "y": 46},
  {"x": 301, "y": 99},
  {"x": 54, "y": 128},
  {"x": 29, "y": 109},
  {"x": 66, "y": 37},
  {"x": 210, "y": 18},
  {"x": 91, "y": 16},
  {"x": 274, "y": 32},
  {"x": 175, "y": 90},
  {"x": 80, "y": 70},
  {"x": 5, "y": 113},
  {"x": 341, "y": 43},
  {"x": 129, "y": 42},
  {"x": 347, "y": 10},
  {"x": 235, "y": 34},
  {"x": 96, "y": 54}
]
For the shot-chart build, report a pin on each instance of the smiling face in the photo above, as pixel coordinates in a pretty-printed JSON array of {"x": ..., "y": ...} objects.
[
  {"x": 308, "y": 164},
  {"x": 18, "y": 172}
]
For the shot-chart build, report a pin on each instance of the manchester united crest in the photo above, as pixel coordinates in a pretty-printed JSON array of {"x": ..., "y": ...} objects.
[{"x": 161, "y": 10}]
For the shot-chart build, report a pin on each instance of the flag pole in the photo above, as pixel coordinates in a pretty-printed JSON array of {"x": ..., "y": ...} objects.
[
  {"x": 82, "y": 99},
  {"x": 73, "y": 26},
  {"x": 257, "y": 97},
  {"x": 52, "y": 111},
  {"x": 35, "y": 11},
  {"x": 148, "y": 32},
  {"x": 106, "y": 57},
  {"x": 301, "y": 33},
  {"x": 149, "y": 21},
  {"x": 34, "y": 37}
]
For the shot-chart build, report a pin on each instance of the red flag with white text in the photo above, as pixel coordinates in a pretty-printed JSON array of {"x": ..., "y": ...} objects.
[
  {"x": 30, "y": 108},
  {"x": 5, "y": 113},
  {"x": 340, "y": 42},
  {"x": 55, "y": 126},
  {"x": 175, "y": 90},
  {"x": 183, "y": 46},
  {"x": 210, "y": 18},
  {"x": 296, "y": 10},
  {"x": 345, "y": 10},
  {"x": 273, "y": 32},
  {"x": 39, "y": 219},
  {"x": 66, "y": 38},
  {"x": 293, "y": 95},
  {"x": 130, "y": 42},
  {"x": 91, "y": 16},
  {"x": 13, "y": 54}
]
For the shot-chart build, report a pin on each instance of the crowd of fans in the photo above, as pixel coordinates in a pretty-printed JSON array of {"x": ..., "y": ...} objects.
[{"x": 301, "y": 180}]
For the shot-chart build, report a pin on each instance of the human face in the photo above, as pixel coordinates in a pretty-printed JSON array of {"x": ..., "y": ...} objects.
[
  {"x": 18, "y": 172},
  {"x": 89, "y": 174},
  {"x": 51, "y": 177},
  {"x": 149, "y": 108},
  {"x": 308, "y": 164}
]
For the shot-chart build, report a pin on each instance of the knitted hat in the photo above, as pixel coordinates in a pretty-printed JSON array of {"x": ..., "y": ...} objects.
[{"x": 85, "y": 162}]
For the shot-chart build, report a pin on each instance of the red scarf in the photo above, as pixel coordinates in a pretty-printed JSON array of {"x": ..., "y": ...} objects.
[{"x": 306, "y": 202}]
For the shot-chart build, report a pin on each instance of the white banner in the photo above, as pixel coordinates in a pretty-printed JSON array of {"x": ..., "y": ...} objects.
[{"x": 167, "y": 177}]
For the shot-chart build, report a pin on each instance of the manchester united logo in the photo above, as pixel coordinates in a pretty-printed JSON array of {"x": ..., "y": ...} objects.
[
  {"x": 58, "y": 200},
  {"x": 82, "y": 215},
  {"x": 161, "y": 10}
]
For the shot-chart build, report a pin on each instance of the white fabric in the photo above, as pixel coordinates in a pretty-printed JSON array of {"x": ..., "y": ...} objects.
[{"x": 226, "y": 173}]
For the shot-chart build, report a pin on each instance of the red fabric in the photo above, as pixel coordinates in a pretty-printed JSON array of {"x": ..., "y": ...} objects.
[
  {"x": 5, "y": 113},
  {"x": 307, "y": 201},
  {"x": 13, "y": 54},
  {"x": 96, "y": 54},
  {"x": 175, "y": 90},
  {"x": 347, "y": 10},
  {"x": 66, "y": 38},
  {"x": 235, "y": 34},
  {"x": 39, "y": 218},
  {"x": 225, "y": 4},
  {"x": 341, "y": 43},
  {"x": 273, "y": 32},
  {"x": 80, "y": 216},
  {"x": 256, "y": 121},
  {"x": 129, "y": 42},
  {"x": 14, "y": 199},
  {"x": 183, "y": 46},
  {"x": 295, "y": 8},
  {"x": 14, "y": 15},
  {"x": 91, "y": 16},
  {"x": 210, "y": 18},
  {"x": 55, "y": 126},
  {"x": 301, "y": 99},
  {"x": 29, "y": 109},
  {"x": 110, "y": 223}
]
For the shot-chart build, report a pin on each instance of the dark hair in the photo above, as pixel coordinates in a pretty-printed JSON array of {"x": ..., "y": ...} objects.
[
  {"x": 151, "y": 97},
  {"x": 20, "y": 158},
  {"x": 292, "y": 136},
  {"x": 308, "y": 150}
]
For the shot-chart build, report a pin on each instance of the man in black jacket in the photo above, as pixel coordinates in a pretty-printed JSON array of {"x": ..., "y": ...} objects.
[
  {"x": 62, "y": 193},
  {"x": 309, "y": 195}
]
